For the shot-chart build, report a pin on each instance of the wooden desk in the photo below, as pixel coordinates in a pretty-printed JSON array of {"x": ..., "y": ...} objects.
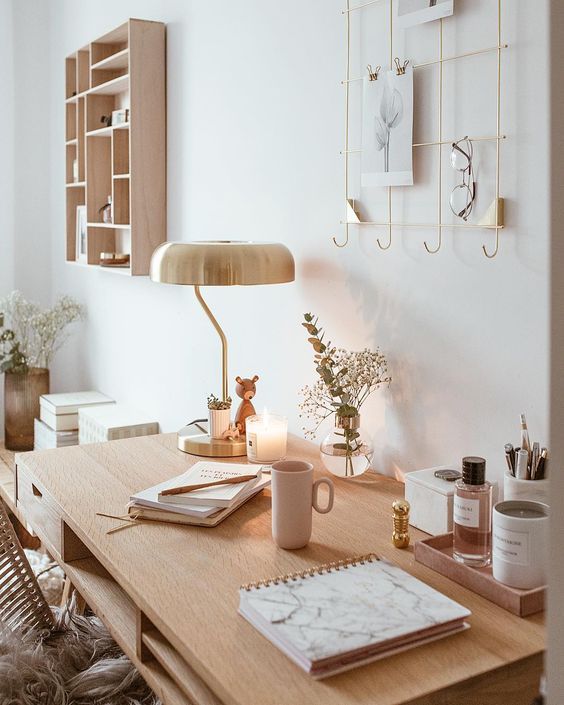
[
  {"x": 169, "y": 594},
  {"x": 8, "y": 497}
]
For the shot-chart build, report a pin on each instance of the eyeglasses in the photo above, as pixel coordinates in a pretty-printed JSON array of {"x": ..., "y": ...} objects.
[{"x": 462, "y": 196}]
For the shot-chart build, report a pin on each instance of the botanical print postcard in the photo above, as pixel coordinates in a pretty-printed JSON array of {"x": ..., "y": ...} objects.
[{"x": 387, "y": 130}]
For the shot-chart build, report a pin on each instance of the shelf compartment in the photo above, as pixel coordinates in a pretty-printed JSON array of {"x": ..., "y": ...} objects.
[
  {"x": 98, "y": 176},
  {"x": 71, "y": 153},
  {"x": 106, "y": 237},
  {"x": 76, "y": 196},
  {"x": 100, "y": 239},
  {"x": 120, "y": 202},
  {"x": 120, "y": 156},
  {"x": 110, "y": 44},
  {"x": 119, "y": 60},
  {"x": 70, "y": 132},
  {"x": 83, "y": 70},
  {"x": 98, "y": 106},
  {"x": 81, "y": 141},
  {"x": 154, "y": 645},
  {"x": 70, "y": 76},
  {"x": 116, "y": 85},
  {"x": 106, "y": 76}
]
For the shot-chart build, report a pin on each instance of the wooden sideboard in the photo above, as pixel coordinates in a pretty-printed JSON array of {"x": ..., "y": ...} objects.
[{"x": 169, "y": 594}]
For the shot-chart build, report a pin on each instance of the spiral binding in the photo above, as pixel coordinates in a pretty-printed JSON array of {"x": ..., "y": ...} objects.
[{"x": 310, "y": 572}]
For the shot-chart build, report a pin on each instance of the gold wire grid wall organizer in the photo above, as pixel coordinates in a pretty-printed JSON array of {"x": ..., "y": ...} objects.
[{"x": 497, "y": 208}]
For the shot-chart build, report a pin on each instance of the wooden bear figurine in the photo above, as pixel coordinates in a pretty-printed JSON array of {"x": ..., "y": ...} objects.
[{"x": 245, "y": 389}]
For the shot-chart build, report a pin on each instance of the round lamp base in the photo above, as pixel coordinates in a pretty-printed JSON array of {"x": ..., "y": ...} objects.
[{"x": 194, "y": 439}]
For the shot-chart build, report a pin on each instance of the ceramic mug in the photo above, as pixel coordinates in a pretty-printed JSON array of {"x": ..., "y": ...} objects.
[{"x": 294, "y": 493}]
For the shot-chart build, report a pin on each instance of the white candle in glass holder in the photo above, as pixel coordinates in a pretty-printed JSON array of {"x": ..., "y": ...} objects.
[{"x": 267, "y": 436}]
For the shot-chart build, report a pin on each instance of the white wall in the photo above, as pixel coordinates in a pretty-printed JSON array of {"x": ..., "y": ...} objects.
[
  {"x": 7, "y": 150},
  {"x": 32, "y": 93},
  {"x": 255, "y": 125}
]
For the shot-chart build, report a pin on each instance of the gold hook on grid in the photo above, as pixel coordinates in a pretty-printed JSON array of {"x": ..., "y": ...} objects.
[
  {"x": 432, "y": 251},
  {"x": 346, "y": 242},
  {"x": 373, "y": 72},
  {"x": 494, "y": 253},
  {"x": 386, "y": 247}
]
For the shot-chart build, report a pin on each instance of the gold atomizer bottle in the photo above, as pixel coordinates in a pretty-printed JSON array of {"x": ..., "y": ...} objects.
[{"x": 400, "y": 536}]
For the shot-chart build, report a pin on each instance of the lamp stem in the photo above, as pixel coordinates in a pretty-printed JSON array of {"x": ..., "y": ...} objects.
[{"x": 221, "y": 334}]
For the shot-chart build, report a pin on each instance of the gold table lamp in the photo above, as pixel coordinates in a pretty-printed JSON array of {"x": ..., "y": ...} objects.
[{"x": 219, "y": 263}]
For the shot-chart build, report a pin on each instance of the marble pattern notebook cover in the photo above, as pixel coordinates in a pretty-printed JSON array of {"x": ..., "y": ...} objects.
[{"x": 328, "y": 620}]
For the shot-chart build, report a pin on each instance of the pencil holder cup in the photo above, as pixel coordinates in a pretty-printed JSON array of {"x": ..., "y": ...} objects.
[{"x": 531, "y": 490}]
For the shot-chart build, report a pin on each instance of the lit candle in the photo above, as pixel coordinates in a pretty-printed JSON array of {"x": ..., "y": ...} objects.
[{"x": 267, "y": 436}]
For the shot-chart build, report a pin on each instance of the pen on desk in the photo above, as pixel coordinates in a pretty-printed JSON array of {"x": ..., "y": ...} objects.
[
  {"x": 525, "y": 442},
  {"x": 535, "y": 457},
  {"x": 521, "y": 472},
  {"x": 510, "y": 457},
  {"x": 542, "y": 466}
]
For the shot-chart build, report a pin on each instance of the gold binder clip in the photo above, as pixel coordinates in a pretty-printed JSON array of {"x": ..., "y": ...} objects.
[
  {"x": 373, "y": 72},
  {"x": 400, "y": 68}
]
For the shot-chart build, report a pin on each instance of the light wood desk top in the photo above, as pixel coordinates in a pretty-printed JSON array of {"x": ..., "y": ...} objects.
[{"x": 181, "y": 583}]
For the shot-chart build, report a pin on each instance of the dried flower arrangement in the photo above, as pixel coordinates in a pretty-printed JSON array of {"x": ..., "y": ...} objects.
[
  {"x": 346, "y": 381},
  {"x": 215, "y": 404},
  {"x": 33, "y": 336}
]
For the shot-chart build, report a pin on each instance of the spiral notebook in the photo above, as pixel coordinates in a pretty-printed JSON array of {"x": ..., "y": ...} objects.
[{"x": 337, "y": 616}]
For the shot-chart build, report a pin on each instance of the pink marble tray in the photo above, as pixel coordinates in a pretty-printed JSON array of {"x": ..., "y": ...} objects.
[{"x": 436, "y": 553}]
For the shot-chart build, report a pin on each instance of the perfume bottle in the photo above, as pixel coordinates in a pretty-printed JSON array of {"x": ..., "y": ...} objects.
[{"x": 472, "y": 544}]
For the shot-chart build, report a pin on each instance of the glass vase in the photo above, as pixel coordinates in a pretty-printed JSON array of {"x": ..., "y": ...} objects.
[
  {"x": 345, "y": 452},
  {"x": 21, "y": 406}
]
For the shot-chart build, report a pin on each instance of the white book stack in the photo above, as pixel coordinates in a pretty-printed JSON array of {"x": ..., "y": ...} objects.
[
  {"x": 112, "y": 422},
  {"x": 45, "y": 437},
  {"x": 60, "y": 411}
]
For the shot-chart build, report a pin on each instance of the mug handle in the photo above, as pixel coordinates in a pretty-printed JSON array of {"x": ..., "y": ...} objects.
[{"x": 329, "y": 507}]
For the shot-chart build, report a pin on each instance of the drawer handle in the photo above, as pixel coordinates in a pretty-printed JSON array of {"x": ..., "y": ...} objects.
[{"x": 35, "y": 491}]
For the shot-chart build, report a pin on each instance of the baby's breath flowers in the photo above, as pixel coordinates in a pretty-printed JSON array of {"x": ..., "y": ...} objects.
[
  {"x": 346, "y": 380},
  {"x": 38, "y": 334}
]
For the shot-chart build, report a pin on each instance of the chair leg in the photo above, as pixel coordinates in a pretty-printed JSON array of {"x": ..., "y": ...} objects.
[{"x": 68, "y": 591}]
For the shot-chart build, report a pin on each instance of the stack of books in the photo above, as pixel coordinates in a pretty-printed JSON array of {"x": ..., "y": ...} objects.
[
  {"x": 110, "y": 422},
  {"x": 205, "y": 506},
  {"x": 57, "y": 426},
  {"x": 45, "y": 437}
]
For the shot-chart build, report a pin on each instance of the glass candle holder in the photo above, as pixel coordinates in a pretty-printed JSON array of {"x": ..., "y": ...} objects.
[{"x": 267, "y": 437}]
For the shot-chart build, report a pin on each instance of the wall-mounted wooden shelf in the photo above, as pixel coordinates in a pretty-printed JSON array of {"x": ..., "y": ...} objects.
[
  {"x": 125, "y": 68},
  {"x": 119, "y": 60}
]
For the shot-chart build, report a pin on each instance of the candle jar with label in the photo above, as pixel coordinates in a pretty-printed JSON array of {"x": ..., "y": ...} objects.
[
  {"x": 267, "y": 436},
  {"x": 520, "y": 543},
  {"x": 473, "y": 515}
]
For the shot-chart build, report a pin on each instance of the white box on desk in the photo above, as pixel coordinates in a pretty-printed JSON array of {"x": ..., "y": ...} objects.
[
  {"x": 431, "y": 500},
  {"x": 112, "y": 422}
]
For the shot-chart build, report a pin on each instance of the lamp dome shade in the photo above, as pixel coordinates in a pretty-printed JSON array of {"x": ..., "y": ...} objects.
[{"x": 222, "y": 263}]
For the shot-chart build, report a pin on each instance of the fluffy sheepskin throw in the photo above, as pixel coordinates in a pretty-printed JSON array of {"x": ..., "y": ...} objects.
[{"x": 78, "y": 664}]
